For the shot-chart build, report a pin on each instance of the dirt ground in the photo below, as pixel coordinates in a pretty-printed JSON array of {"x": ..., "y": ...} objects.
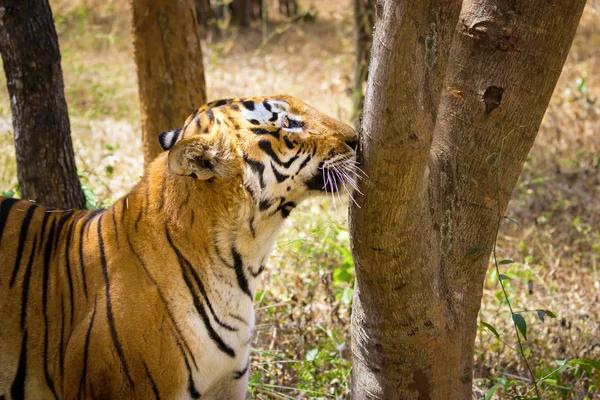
[{"x": 302, "y": 346}]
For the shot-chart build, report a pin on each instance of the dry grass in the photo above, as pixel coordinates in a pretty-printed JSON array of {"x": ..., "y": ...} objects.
[{"x": 301, "y": 350}]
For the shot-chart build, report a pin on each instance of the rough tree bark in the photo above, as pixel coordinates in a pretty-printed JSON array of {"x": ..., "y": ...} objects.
[
  {"x": 45, "y": 161},
  {"x": 431, "y": 197},
  {"x": 364, "y": 19},
  {"x": 166, "y": 39}
]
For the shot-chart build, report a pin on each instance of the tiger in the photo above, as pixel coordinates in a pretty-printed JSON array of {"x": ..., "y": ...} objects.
[{"x": 152, "y": 297}]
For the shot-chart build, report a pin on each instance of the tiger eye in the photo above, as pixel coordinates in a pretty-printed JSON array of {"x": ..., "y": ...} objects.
[{"x": 285, "y": 122}]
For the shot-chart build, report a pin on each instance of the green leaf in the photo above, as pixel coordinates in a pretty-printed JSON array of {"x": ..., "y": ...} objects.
[
  {"x": 312, "y": 354},
  {"x": 491, "y": 329},
  {"x": 521, "y": 324},
  {"x": 513, "y": 220},
  {"x": 476, "y": 250},
  {"x": 587, "y": 365},
  {"x": 347, "y": 295},
  {"x": 543, "y": 313},
  {"x": 491, "y": 392},
  {"x": 91, "y": 203},
  {"x": 560, "y": 363},
  {"x": 505, "y": 262},
  {"x": 503, "y": 277},
  {"x": 8, "y": 193}
]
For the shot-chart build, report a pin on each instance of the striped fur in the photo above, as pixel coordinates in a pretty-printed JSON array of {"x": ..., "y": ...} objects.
[{"x": 152, "y": 298}]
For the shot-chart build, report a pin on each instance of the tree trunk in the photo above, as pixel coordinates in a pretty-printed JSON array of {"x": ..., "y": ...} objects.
[
  {"x": 168, "y": 56},
  {"x": 240, "y": 12},
  {"x": 204, "y": 14},
  {"x": 45, "y": 161},
  {"x": 364, "y": 19},
  {"x": 430, "y": 210}
]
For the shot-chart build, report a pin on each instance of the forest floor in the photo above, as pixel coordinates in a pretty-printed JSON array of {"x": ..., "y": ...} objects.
[{"x": 302, "y": 343}]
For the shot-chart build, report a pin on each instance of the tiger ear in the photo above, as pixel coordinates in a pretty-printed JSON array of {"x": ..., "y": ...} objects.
[
  {"x": 168, "y": 138},
  {"x": 203, "y": 157}
]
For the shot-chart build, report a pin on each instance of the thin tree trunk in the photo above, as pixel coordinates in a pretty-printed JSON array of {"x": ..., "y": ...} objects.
[
  {"x": 45, "y": 161},
  {"x": 204, "y": 14},
  {"x": 168, "y": 56},
  {"x": 364, "y": 19},
  {"x": 423, "y": 236},
  {"x": 240, "y": 12}
]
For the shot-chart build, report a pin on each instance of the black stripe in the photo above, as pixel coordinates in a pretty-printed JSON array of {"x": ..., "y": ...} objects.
[
  {"x": 211, "y": 115},
  {"x": 265, "y": 204},
  {"x": 90, "y": 215},
  {"x": 257, "y": 273},
  {"x": 248, "y": 104},
  {"x": 254, "y": 122},
  {"x": 178, "y": 333},
  {"x": 86, "y": 352},
  {"x": 256, "y": 166},
  {"x": 143, "y": 210},
  {"x": 219, "y": 103},
  {"x": 61, "y": 354},
  {"x": 287, "y": 141},
  {"x": 267, "y": 105},
  {"x": 274, "y": 117},
  {"x": 68, "y": 268},
  {"x": 286, "y": 208},
  {"x": 17, "y": 389},
  {"x": 113, "y": 211},
  {"x": 304, "y": 162},
  {"x": 47, "y": 216},
  {"x": 87, "y": 218},
  {"x": 252, "y": 230},
  {"x": 265, "y": 145},
  {"x": 250, "y": 191},
  {"x": 5, "y": 207},
  {"x": 205, "y": 296},
  {"x": 239, "y": 374},
  {"x": 278, "y": 175},
  {"x": 262, "y": 131},
  {"x": 45, "y": 281},
  {"x": 22, "y": 238},
  {"x": 25, "y": 289},
  {"x": 239, "y": 272},
  {"x": 109, "y": 313},
  {"x": 61, "y": 223},
  {"x": 194, "y": 394},
  {"x": 199, "y": 307},
  {"x": 154, "y": 388},
  {"x": 124, "y": 203}
]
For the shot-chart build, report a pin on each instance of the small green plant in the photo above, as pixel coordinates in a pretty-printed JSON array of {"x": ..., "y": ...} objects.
[
  {"x": 544, "y": 374},
  {"x": 12, "y": 192}
]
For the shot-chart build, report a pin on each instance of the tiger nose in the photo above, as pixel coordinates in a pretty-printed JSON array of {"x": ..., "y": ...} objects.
[{"x": 352, "y": 142}]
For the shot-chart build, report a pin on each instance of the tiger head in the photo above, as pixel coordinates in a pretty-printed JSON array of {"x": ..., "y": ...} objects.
[{"x": 281, "y": 149}]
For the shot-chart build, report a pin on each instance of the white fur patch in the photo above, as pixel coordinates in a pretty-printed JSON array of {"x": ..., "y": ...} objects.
[{"x": 167, "y": 139}]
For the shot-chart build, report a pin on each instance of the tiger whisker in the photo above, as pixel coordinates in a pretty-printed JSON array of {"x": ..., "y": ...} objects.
[{"x": 337, "y": 189}]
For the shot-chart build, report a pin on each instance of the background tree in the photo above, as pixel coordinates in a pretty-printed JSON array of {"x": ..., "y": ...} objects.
[
  {"x": 45, "y": 161},
  {"x": 439, "y": 178},
  {"x": 168, "y": 57}
]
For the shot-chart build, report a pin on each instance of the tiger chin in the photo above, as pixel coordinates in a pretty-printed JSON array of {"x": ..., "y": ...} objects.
[{"x": 152, "y": 297}]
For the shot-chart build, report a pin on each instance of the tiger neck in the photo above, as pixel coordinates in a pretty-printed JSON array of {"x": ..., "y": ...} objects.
[{"x": 222, "y": 230}]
